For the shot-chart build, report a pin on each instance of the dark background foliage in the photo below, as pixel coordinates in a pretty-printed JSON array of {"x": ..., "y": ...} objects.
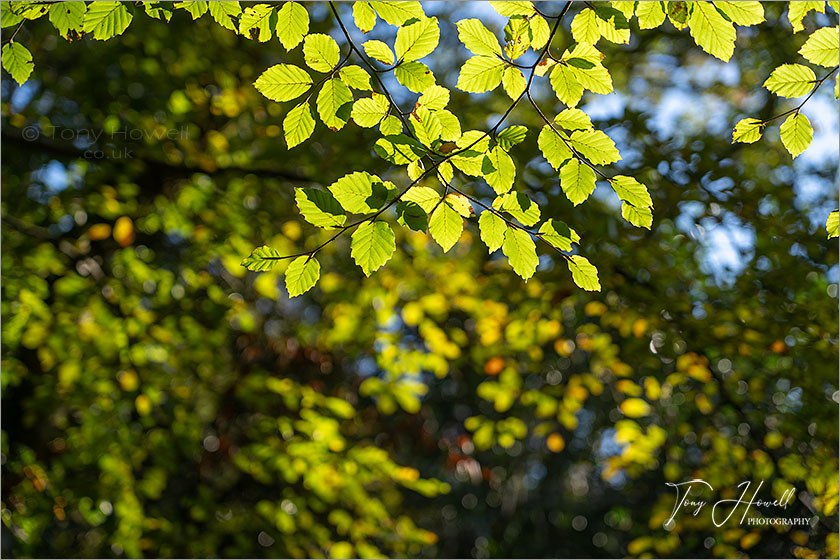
[{"x": 159, "y": 400}]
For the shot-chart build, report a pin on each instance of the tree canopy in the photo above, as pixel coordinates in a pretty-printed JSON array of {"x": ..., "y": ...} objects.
[{"x": 417, "y": 279}]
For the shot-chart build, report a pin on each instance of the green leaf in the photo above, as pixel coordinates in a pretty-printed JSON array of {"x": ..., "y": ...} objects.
[
  {"x": 630, "y": 190},
  {"x": 425, "y": 125},
  {"x": 425, "y": 197},
  {"x": 225, "y": 13},
  {"x": 639, "y": 216},
  {"x": 411, "y": 215},
  {"x": 255, "y": 22},
  {"x": 553, "y": 148},
  {"x": 460, "y": 204},
  {"x": 301, "y": 274},
  {"x": 558, "y": 234},
  {"x": 519, "y": 206},
  {"x": 17, "y": 60},
  {"x": 292, "y": 24},
  {"x": 540, "y": 32},
  {"x": 517, "y": 37},
  {"x": 711, "y": 31},
  {"x": 649, "y": 14},
  {"x": 612, "y": 25},
  {"x": 283, "y": 82},
  {"x": 369, "y": 111},
  {"x": 742, "y": 12},
  {"x": 584, "y": 273},
  {"x": 8, "y": 18},
  {"x": 372, "y": 245},
  {"x": 513, "y": 82},
  {"x": 262, "y": 259},
  {"x": 398, "y": 13},
  {"x": 585, "y": 27},
  {"x": 415, "y": 76},
  {"x": 298, "y": 124},
  {"x": 378, "y": 50},
  {"x": 106, "y": 19},
  {"x": 30, "y": 10},
  {"x": 68, "y": 18},
  {"x": 492, "y": 229},
  {"x": 595, "y": 146},
  {"x": 832, "y": 225},
  {"x": 511, "y": 136},
  {"x": 450, "y": 126},
  {"x": 511, "y": 9},
  {"x": 416, "y": 40},
  {"x": 321, "y": 52},
  {"x": 196, "y": 9},
  {"x": 565, "y": 85},
  {"x": 796, "y": 133},
  {"x": 335, "y": 102},
  {"x": 626, "y": 7},
  {"x": 319, "y": 208},
  {"x": 577, "y": 180},
  {"x": 499, "y": 170},
  {"x": 747, "y": 131},
  {"x": 477, "y": 38},
  {"x": 355, "y": 76},
  {"x": 390, "y": 126},
  {"x": 364, "y": 16},
  {"x": 791, "y": 80},
  {"x": 584, "y": 62},
  {"x": 399, "y": 149},
  {"x": 521, "y": 252},
  {"x": 360, "y": 192},
  {"x": 434, "y": 98},
  {"x": 573, "y": 119},
  {"x": 445, "y": 225},
  {"x": 798, "y": 10},
  {"x": 480, "y": 74},
  {"x": 822, "y": 47}
]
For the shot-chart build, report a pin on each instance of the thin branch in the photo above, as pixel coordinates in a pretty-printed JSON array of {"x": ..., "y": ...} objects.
[
  {"x": 799, "y": 107},
  {"x": 508, "y": 221}
]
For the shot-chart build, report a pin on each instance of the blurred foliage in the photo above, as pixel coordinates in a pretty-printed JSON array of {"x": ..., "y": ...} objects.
[{"x": 160, "y": 400}]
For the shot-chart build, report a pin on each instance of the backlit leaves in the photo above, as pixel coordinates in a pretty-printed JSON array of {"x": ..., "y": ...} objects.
[
  {"x": 68, "y": 18},
  {"x": 577, "y": 180},
  {"x": 521, "y": 252},
  {"x": 320, "y": 208},
  {"x": 301, "y": 274},
  {"x": 711, "y": 31},
  {"x": 283, "y": 82},
  {"x": 584, "y": 273},
  {"x": 415, "y": 76},
  {"x": 747, "y": 130},
  {"x": 480, "y": 74},
  {"x": 798, "y": 10},
  {"x": 298, "y": 124},
  {"x": 477, "y": 38},
  {"x": 822, "y": 47},
  {"x": 292, "y": 24},
  {"x": 417, "y": 39},
  {"x": 262, "y": 259},
  {"x": 832, "y": 225},
  {"x": 360, "y": 192},
  {"x": 492, "y": 229},
  {"x": 255, "y": 22},
  {"x": 372, "y": 245},
  {"x": 445, "y": 225},
  {"x": 558, "y": 234},
  {"x": 369, "y": 111},
  {"x": 17, "y": 61},
  {"x": 320, "y": 52},
  {"x": 499, "y": 170},
  {"x": 334, "y": 103},
  {"x": 791, "y": 80},
  {"x": 106, "y": 19},
  {"x": 378, "y": 50},
  {"x": 796, "y": 133}
]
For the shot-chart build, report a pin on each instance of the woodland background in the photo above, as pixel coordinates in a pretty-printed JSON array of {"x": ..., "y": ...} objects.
[{"x": 160, "y": 400}]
